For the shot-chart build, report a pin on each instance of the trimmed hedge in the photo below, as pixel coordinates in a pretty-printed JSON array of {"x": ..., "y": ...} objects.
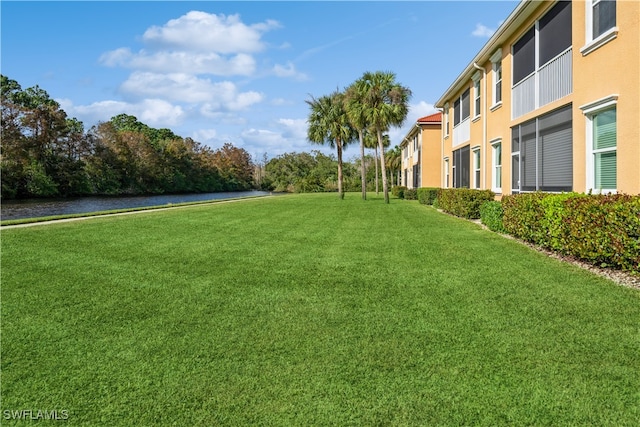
[
  {"x": 601, "y": 229},
  {"x": 398, "y": 191},
  {"x": 410, "y": 194},
  {"x": 491, "y": 216},
  {"x": 426, "y": 195},
  {"x": 463, "y": 202}
]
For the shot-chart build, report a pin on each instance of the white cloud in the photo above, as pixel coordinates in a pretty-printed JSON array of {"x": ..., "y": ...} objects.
[
  {"x": 205, "y": 135},
  {"x": 205, "y": 32},
  {"x": 180, "y": 87},
  {"x": 293, "y": 128},
  {"x": 153, "y": 112},
  {"x": 181, "y": 62},
  {"x": 286, "y": 135},
  {"x": 483, "y": 31},
  {"x": 289, "y": 70},
  {"x": 416, "y": 111}
]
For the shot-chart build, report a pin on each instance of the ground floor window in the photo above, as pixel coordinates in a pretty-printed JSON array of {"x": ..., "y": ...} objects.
[
  {"x": 602, "y": 158},
  {"x": 476, "y": 168},
  {"x": 542, "y": 153},
  {"x": 496, "y": 166},
  {"x": 446, "y": 174}
]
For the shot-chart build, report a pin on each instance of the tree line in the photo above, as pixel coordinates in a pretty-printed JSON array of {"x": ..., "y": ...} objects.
[
  {"x": 45, "y": 153},
  {"x": 318, "y": 172}
]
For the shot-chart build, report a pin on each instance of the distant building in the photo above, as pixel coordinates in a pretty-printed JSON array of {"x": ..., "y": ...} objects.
[
  {"x": 421, "y": 153},
  {"x": 550, "y": 103}
]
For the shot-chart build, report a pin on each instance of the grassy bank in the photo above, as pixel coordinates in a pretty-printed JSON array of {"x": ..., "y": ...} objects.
[{"x": 309, "y": 310}]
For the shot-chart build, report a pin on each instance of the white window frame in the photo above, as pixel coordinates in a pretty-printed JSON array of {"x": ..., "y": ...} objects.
[
  {"x": 477, "y": 167},
  {"x": 496, "y": 62},
  {"x": 446, "y": 175},
  {"x": 446, "y": 120},
  {"x": 590, "y": 111},
  {"x": 496, "y": 186},
  {"x": 477, "y": 102},
  {"x": 592, "y": 44}
]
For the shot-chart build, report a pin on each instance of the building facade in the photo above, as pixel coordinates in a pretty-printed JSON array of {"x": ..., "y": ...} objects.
[
  {"x": 550, "y": 103},
  {"x": 421, "y": 153}
]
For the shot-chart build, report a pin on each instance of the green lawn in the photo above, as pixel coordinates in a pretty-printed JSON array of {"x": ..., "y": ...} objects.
[{"x": 309, "y": 310}]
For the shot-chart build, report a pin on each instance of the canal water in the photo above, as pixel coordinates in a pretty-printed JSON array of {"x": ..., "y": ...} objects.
[{"x": 34, "y": 208}]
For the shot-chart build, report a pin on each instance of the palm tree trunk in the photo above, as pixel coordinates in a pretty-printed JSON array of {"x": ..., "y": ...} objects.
[
  {"x": 377, "y": 173},
  {"x": 339, "y": 146},
  {"x": 385, "y": 188},
  {"x": 363, "y": 172}
]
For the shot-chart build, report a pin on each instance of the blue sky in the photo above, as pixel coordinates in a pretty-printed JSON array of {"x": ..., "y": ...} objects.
[{"x": 237, "y": 71}]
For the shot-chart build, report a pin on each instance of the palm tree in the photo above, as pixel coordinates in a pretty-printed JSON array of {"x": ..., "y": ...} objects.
[
  {"x": 328, "y": 124},
  {"x": 354, "y": 98},
  {"x": 387, "y": 104},
  {"x": 371, "y": 141},
  {"x": 394, "y": 160}
]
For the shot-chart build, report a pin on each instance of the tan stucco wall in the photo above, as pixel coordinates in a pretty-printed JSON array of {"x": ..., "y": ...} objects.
[
  {"x": 431, "y": 157},
  {"x": 612, "y": 69}
]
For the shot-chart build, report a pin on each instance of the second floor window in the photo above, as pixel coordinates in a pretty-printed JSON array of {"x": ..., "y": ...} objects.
[
  {"x": 604, "y": 16},
  {"x": 476, "y": 95},
  {"x": 461, "y": 108},
  {"x": 497, "y": 82}
]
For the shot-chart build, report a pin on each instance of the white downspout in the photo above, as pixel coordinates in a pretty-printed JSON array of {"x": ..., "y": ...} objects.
[{"x": 484, "y": 125}]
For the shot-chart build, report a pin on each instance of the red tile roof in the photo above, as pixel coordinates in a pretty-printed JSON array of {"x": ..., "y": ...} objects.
[{"x": 433, "y": 118}]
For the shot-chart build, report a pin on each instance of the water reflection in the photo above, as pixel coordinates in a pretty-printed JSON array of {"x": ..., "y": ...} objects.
[{"x": 33, "y": 208}]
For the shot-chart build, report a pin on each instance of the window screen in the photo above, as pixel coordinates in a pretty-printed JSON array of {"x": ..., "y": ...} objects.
[
  {"x": 524, "y": 56},
  {"x": 556, "y": 151},
  {"x": 555, "y": 31},
  {"x": 461, "y": 167},
  {"x": 466, "y": 104},
  {"x": 545, "y": 162}
]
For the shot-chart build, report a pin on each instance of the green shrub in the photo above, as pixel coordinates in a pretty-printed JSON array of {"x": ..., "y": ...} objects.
[
  {"x": 463, "y": 202},
  {"x": 604, "y": 230},
  {"x": 601, "y": 229},
  {"x": 491, "y": 215},
  {"x": 398, "y": 191},
  {"x": 522, "y": 215},
  {"x": 427, "y": 195},
  {"x": 411, "y": 194}
]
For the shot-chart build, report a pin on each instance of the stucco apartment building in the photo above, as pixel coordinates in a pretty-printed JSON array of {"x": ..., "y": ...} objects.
[
  {"x": 422, "y": 153},
  {"x": 550, "y": 103}
]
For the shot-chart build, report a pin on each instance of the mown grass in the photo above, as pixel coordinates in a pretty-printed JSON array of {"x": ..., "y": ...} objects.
[{"x": 309, "y": 310}]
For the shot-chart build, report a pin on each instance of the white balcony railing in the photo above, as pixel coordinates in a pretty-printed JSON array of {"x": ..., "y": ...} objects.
[
  {"x": 523, "y": 96},
  {"x": 549, "y": 83},
  {"x": 462, "y": 132},
  {"x": 555, "y": 78}
]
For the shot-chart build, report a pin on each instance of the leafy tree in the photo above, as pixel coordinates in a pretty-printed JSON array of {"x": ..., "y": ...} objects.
[
  {"x": 235, "y": 166},
  {"x": 303, "y": 172},
  {"x": 386, "y": 105},
  {"x": 328, "y": 124}
]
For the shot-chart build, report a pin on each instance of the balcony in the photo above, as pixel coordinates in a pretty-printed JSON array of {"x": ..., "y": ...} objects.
[
  {"x": 462, "y": 132},
  {"x": 549, "y": 83}
]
